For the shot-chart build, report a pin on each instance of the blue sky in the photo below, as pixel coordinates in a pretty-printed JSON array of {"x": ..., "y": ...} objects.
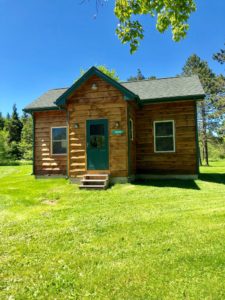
[{"x": 45, "y": 43}]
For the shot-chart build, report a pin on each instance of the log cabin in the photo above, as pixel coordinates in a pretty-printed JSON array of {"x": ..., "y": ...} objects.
[{"x": 122, "y": 130}]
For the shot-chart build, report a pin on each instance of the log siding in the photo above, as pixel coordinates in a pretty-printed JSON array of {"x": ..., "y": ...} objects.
[
  {"x": 47, "y": 163},
  {"x": 184, "y": 159}
]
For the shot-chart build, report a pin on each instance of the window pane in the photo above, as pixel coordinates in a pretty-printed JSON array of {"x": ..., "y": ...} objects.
[
  {"x": 58, "y": 133},
  {"x": 164, "y": 128},
  {"x": 59, "y": 147},
  {"x": 97, "y": 129},
  {"x": 164, "y": 144}
]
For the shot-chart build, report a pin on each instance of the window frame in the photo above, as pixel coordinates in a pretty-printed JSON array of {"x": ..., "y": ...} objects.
[
  {"x": 131, "y": 128},
  {"x": 174, "y": 136},
  {"x": 59, "y": 154}
]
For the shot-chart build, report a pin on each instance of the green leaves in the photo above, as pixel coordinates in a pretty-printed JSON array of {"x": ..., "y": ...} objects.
[{"x": 168, "y": 13}]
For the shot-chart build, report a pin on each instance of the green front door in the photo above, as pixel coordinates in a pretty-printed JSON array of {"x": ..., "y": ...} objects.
[{"x": 97, "y": 144}]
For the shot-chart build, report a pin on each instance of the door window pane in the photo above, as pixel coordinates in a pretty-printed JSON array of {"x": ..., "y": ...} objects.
[
  {"x": 97, "y": 129},
  {"x": 97, "y": 136}
]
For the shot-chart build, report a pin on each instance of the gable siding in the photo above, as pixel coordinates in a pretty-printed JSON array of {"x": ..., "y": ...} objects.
[
  {"x": 184, "y": 160},
  {"x": 45, "y": 162},
  {"x": 104, "y": 103}
]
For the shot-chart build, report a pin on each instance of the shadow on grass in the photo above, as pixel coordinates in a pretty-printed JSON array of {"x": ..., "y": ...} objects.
[
  {"x": 212, "y": 177},
  {"x": 177, "y": 183}
]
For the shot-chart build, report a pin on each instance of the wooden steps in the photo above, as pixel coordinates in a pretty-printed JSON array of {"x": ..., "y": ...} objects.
[{"x": 95, "y": 181}]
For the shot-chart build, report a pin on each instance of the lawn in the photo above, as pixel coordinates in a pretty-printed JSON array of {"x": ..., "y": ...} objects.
[{"x": 156, "y": 240}]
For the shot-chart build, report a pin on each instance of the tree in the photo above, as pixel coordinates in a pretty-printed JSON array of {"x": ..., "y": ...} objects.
[
  {"x": 2, "y": 122},
  {"x": 220, "y": 56},
  {"x": 26, "y": 137},
  {"x": 14, "y": 128},
  {"x": 209, "y": 108},
  {"x": 139, "y": 76},
  {"x": 109, "y": 72},
  {"x": 174, "y": 14},
  {"x": 4, "y": 148}
]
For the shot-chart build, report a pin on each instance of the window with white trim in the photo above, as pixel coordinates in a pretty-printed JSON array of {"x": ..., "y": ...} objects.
[
  {"x": 131, "y": 127},
  {"x": 59, "y": 140},
  {"x": 164, "y": 136}
]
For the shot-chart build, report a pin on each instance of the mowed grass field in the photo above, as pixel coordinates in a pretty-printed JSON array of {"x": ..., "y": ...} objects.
[{"x": 153, "y": 240}]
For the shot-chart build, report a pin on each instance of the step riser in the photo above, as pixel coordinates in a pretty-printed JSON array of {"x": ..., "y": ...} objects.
[{"x": 94, "y": 181}]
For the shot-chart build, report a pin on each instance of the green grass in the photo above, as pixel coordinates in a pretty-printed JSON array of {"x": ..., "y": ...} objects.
[{"x": 156, "y": 240}]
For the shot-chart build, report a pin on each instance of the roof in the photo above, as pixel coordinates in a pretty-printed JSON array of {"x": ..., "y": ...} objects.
[
  {"x": 145, "y": 91},
  {"x": 46, "y": 101},
  {"x": 166, "y": 88}
]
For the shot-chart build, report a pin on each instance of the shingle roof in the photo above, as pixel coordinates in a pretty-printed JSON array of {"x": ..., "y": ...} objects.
[
  {"x": 147, "y": 90},
  {"x": 47, "y": 100},
  {"x": 166, "y": 88}
]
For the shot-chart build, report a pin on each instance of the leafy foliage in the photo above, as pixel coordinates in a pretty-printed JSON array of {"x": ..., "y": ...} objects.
[
  {"x": 26, "y": 138},
  {"x": 2, "y": 122},
  {"x": 174, "y": 14},
  {"x": 15, "y": 138},
  {"x": 109, "y": 72}
]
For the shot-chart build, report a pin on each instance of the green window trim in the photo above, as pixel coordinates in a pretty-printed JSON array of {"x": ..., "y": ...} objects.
[
  {"x": 165, "y": 136},
  {"x": 59, "y": 140}
]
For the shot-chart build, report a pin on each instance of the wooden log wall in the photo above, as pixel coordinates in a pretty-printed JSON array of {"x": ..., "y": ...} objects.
[
  {"x": 104, "y": 103},
  {"x": 184, "y": 160},
  {"x": 45, "y": 162}
]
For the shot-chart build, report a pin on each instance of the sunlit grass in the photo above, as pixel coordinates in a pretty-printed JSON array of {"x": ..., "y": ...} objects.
[{"x": 154, "y": 240}]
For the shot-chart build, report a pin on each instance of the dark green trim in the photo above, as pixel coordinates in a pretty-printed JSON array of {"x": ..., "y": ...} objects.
[
  {"x": 129, "y": 141},
  {"x": 33, "y": 143},
  {"x": 196, "y": 140},
  {"x": 173, "y": 99},
  {"x": 94, "y": 71},
  {"x": 93, "y": 161},
  {"x": 39, "y": 109}
]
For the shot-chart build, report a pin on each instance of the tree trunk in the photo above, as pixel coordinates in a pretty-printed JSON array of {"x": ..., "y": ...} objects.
[{"x": 204, "y": 134}]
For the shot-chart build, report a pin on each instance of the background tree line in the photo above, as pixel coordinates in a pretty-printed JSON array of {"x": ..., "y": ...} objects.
[{"x": 15, "y": 137}]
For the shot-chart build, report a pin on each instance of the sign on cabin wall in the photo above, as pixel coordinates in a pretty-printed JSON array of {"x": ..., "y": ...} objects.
[{"x": 117, "y": 132}]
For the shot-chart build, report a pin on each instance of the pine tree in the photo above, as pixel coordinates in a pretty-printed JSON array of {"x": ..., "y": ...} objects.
[
  {"x": 14, "y": 128},
  {"x": 139, "y": 76},
  {"x": 208, "y": 108},
  {"x": 2, "y": 122}
]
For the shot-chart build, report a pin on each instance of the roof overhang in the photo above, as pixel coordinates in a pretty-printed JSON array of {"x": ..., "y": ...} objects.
[
  {"x": 31, "y": 110},
  {"x": 173, "y": 99},
  {"x": 128, "y": 95}
]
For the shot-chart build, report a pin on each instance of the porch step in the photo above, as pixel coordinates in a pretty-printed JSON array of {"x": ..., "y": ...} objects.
[{"x": 94, "y": 181}]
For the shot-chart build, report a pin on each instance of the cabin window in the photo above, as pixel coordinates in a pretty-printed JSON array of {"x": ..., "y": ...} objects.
[
  {"x": 164, "y": 136},
  {"x": 131, "y": 127},
  {"x": 59, "y": 140}
]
